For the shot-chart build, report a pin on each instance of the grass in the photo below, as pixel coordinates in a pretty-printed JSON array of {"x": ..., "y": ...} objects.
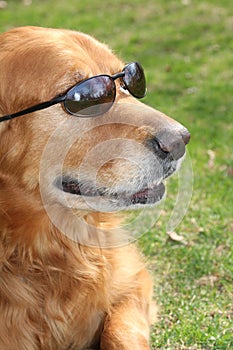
[{"x": 186, "y": 49}]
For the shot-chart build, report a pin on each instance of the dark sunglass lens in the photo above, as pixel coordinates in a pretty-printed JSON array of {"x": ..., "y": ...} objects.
[
  {"x": 135, "y": 80},
  {"x": 91, "y": 97}
]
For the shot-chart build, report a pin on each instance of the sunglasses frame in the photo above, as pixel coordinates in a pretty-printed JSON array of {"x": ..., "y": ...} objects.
[{"x": 63, "y": 98}]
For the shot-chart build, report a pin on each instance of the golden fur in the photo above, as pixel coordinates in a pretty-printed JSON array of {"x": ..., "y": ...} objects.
[{"x": 55, "y": 293}]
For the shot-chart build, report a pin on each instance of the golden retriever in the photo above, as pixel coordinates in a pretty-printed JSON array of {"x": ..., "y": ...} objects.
[{"x": 69, "y": 279}]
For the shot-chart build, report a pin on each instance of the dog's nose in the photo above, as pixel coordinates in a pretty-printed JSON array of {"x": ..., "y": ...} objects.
[
  {"x": 170, "y": 143},
  {"x": 185, "y": 135}
]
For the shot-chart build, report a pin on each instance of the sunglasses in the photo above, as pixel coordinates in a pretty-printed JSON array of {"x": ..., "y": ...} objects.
[{"x": 94, "y": 96}]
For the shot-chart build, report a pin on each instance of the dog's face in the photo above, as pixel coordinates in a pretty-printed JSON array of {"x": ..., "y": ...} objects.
[{"x": 111, "y": 162}]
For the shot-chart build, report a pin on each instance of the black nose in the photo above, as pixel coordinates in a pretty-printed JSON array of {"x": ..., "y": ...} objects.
[
  {"x": 185, "y": 134},
  {"x": 169, "y": 143}
]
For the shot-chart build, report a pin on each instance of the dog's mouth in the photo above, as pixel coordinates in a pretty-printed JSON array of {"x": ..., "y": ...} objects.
[{"x": 146, "y": 195}]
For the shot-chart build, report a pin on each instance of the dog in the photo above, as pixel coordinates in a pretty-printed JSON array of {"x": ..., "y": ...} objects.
[{"x": 77, "y": 147}]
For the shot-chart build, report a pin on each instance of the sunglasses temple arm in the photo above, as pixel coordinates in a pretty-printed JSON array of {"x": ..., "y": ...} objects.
[
  {"x": 118, "y": 75},
  {"x": 32, "y": 109}
]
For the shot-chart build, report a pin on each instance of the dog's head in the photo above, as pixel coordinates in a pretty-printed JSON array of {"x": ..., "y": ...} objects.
[{"x": 113, "y": 161}]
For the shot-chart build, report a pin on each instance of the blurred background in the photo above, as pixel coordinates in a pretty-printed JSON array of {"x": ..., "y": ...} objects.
[{"x": 186, "y": 49}]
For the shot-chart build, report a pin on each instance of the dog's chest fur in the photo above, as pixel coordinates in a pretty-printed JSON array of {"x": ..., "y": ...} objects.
[{"x": 60, "y": 301}]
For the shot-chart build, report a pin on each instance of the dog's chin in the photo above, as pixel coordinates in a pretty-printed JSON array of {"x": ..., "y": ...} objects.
[{"x": 73, "y": 194}]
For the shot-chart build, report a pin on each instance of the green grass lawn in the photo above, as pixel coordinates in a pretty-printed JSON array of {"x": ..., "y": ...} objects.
[{"x": 186, "y": 49}]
